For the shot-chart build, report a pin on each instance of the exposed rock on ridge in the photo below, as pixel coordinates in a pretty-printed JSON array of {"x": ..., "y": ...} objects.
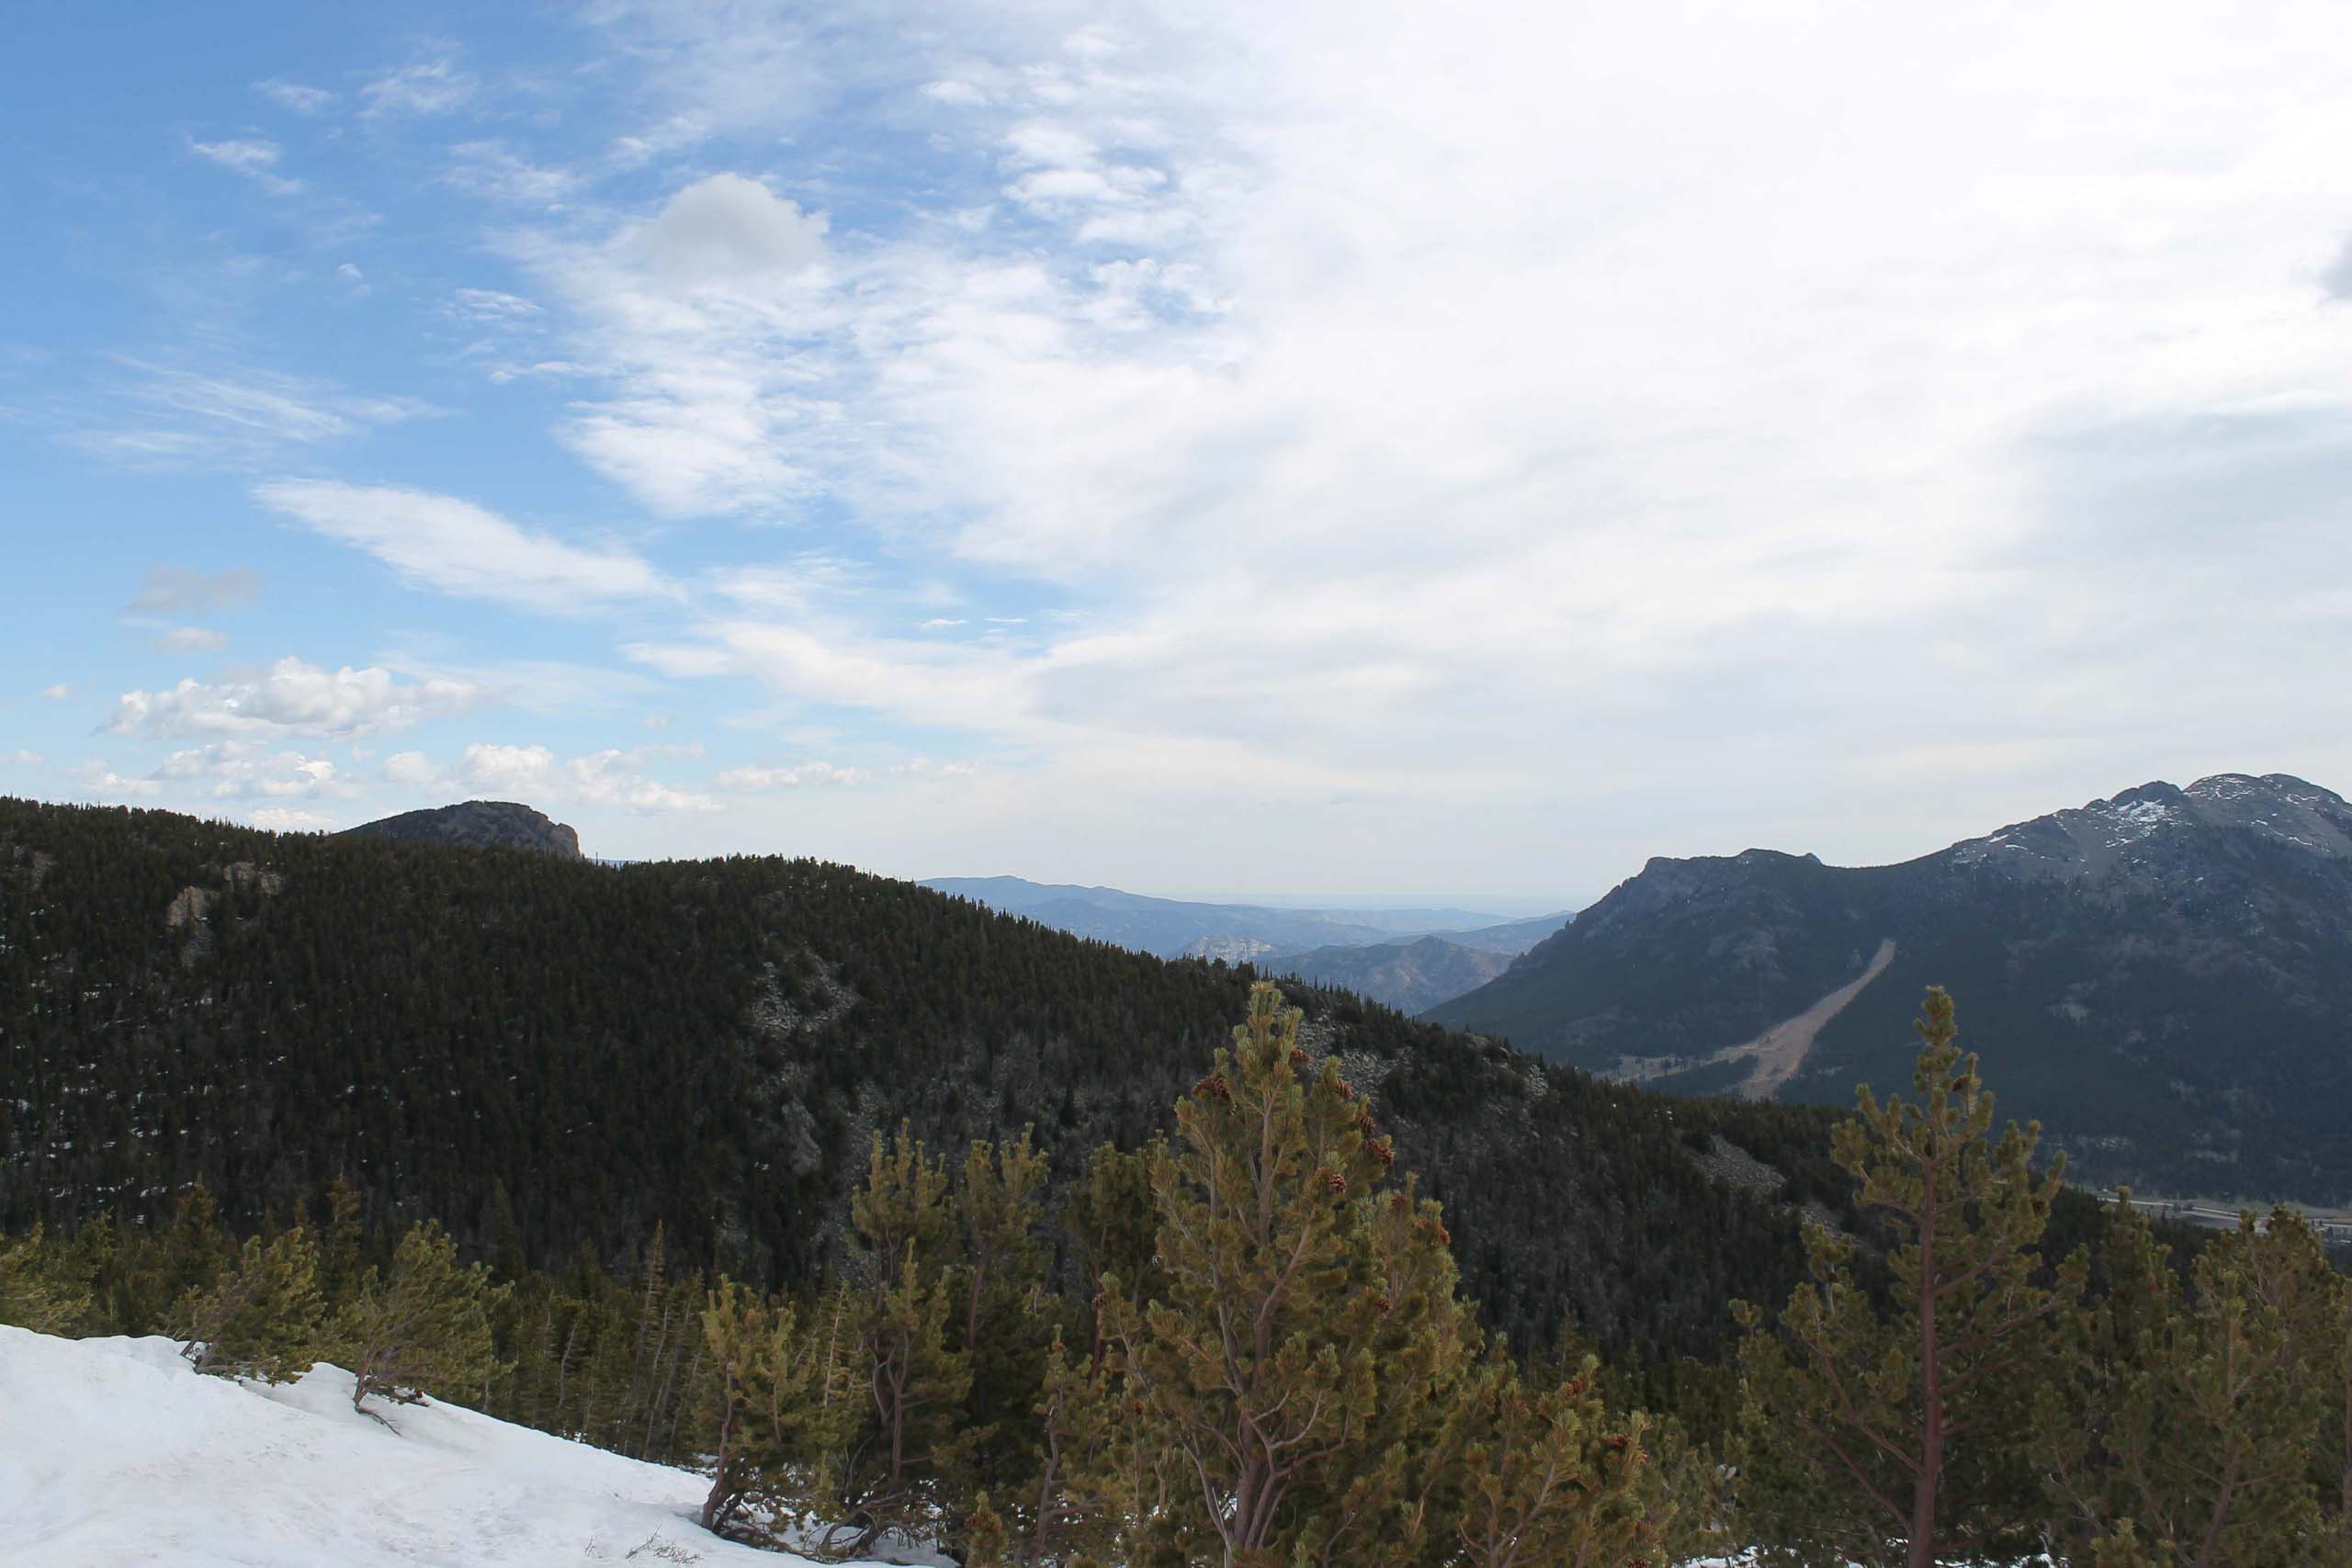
[{"x": 480, "y": 823}]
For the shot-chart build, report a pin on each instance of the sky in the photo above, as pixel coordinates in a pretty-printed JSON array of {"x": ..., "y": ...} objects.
[{"x": 1305, "y": 451}]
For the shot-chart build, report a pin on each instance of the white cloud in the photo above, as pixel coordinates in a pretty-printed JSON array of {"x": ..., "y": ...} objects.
[
  {"x": 490, "y": 305},
  {"x": 192, "y": 639},
  {"x": 426, "y": 87},
  {"x": 58, "y": 693},
  {"x": 458, "y": 547},
  {"x": 101, "y": 782},
  {"x": 1485, "y": 415},
  {"x": 799, "y": 775},
  {"x": 303, "y": 100},
  {"x": 288, "y": 819},
  {"x": 496, "y": 170},
  {"x": 707, "y": 318},
  {"x": 609, "y": 777},
  {"x": 245, "y": 770},
  {"x": 240, "y": 416},
  {"x": 291, "y": 698},
  {"x": 411, "y": 770},
  {"x": 27, "y": 759},
  {"x": 257, "y": 161},
  {"x": 727, "y": 231}
]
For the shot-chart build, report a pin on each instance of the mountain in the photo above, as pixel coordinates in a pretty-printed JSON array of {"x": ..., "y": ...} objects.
[
  {"x": 137, "y": 1458},
  {"x": 568, "y": 1057},
  {"x": 1512, "y": 938},
  {"x": 1410, "y": 976},
  {"x": 478, "y": 824},
  {"x": 2163, "y": 978},
  {"x": 1175, "y": 928}
]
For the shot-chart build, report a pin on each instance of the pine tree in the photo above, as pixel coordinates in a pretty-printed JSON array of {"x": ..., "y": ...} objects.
[
  {"x": 264, "y": 1317},
  {"x": 1114, "y": 1234},
  {"x": 39, "y": 1289},
  {"x": 903, "y": 1471},
  {"x": 2188, "y": 1430},
  {"x": 783, "y": 1406},
  {"x": 424, "y": 1328},
  {"x": 1008, "y": 1316},
  {"x": 1085, "y": 1492},
  {"x": 1869, "y": 1431},
  {"x": 1308, "y": 1342},
  {"x": 342, "y": 1254},
  {"x": 1551, "y": 1476}
]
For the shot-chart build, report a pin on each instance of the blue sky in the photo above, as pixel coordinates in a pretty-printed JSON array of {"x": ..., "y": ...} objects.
[{"x": 1324, "y": 450}]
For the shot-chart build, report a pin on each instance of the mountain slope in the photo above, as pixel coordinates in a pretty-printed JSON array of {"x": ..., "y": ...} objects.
[
  {"x": 582, "y": 1055},
  {"x": 478, "y": 824},
  {"x": 1408, "y": 976},
  {"x": 136, "y": 1458},
  {"x": 2162, "y": 978}
]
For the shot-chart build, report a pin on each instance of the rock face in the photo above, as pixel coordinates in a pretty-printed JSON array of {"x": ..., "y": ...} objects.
[
  {"x": 2164, "y": 979},
  {"x": 479, "y": 824}
]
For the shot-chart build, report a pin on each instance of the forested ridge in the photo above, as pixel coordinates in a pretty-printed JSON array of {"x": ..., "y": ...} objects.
[
  {"x": 707, "y": 1046},
  {"x": 904, "y": 1222}
]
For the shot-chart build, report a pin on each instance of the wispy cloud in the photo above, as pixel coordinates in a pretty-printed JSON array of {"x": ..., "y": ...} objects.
[
  {"x": 458, "y": 547},
  {"x": 257, "y": 161},
  {"x": 294, "y": 96},
  {"x": 177, "y": 591},
  {"x": 494, "y": 170},
  {"x": 612, "y": 777},
  {"x": 235, "y": 418},
  {"x": 796, "y": 775},
  {"x": 433, "y": 86}
]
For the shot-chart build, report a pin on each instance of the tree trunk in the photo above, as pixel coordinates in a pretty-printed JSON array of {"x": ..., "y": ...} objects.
[
  {"x": 1924, "y": 1484},
  {"x": 716, "y": 1507}
]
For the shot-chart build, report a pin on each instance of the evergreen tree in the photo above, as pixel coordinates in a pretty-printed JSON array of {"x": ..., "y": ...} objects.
[
  {"x": 1009, "y": 1318},
  {"x": 1300, "y": 1363},
  {"x": 1114, "y": 1232},
  {"x": 903, "y": 1471},
  {"x": 264, "y": 1317},
  {"x": 2187, "y": 1430},
  {"x": 424, "y": 1328},
  {"x": 784, "y": 1405},
  {"x": 1551, "y": 1476},
  {"x": 39, "y": 1290},
  {"x": 1900, "y": 1437}
]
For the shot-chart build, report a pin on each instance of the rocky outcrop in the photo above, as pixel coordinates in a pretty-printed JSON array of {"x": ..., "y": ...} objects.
[{"x": 479, "y": 825}]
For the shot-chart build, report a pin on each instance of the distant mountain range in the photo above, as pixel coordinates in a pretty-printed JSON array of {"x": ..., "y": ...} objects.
[
  {"x": 2165, "y": 979},
  {"x": 1410, "y": 976},
  {"x": 1408, "y": 958}
]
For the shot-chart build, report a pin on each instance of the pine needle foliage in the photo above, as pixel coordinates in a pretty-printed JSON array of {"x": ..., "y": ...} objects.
[
  {"x": 2187, "y": 1429},
  {"x": 1309, "y": 1339},
  {"x": 423, "y": 1327},
  {"x": 1899, "y": 1436},
  {"x": 37, "y": 1289},
  {"x": 266, "y": 1318}
]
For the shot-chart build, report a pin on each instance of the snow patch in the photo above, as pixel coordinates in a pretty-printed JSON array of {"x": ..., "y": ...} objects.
[{"x": 116, "y": 1452}]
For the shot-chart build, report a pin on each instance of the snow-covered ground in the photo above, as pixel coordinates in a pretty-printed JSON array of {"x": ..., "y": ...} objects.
[{"x": 114, "y": 1451}]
